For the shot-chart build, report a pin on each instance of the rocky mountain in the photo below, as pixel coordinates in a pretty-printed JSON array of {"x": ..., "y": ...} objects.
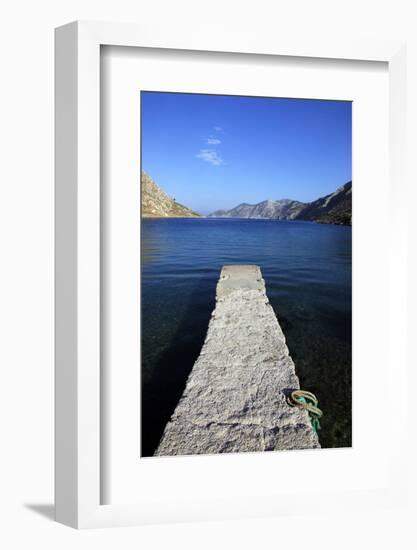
[
  {"x": 334, "y": 208},
  {"x": 284, "y": 209},
  {"x": 157, "y": 204}
]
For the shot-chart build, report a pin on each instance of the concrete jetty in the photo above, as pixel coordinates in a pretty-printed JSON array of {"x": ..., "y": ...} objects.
[{"x": 235, "y": 396}]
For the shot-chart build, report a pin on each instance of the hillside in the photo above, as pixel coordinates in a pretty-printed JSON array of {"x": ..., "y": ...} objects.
[
  {"x": 157, "y": 204},
  {"x": 284, "y": 209},
  {"x": 333, "y": 208}
]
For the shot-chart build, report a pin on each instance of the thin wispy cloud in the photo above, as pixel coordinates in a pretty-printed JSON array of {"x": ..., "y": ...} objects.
[{"x": 211, "y": 156}]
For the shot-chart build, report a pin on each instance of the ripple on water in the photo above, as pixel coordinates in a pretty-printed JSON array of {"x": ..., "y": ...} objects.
[{"x": 307, "y": 269}]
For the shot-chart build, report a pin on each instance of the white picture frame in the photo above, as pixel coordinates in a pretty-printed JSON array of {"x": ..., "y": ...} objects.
[{"x": 78, "y": 405}]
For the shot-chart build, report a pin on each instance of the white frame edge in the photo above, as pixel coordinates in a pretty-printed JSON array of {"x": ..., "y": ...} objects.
[{"x": 77, "y": 231}]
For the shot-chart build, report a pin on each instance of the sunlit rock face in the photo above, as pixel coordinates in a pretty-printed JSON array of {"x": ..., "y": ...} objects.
[
  {"x": 157, "y": 204},
  {"x": 284, "y": 209}
]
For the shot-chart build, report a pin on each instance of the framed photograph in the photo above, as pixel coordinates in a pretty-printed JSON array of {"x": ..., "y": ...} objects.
[{"x": 226, "y": 304}]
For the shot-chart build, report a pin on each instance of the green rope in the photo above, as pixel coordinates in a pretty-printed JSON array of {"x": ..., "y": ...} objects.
[{"x": 309, "y": 402}]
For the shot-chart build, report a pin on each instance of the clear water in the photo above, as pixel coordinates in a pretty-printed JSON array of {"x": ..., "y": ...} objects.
[{"x": 307, "y": 270}]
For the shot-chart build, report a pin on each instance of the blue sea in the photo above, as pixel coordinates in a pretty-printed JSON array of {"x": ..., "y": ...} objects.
[{"x": 307, "y": 269}]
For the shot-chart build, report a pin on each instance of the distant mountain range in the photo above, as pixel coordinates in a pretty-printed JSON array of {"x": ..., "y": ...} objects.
[
  {"x": 157, "y": 204},
  {"x": 284, "y": 209},
  {"x": 333, "y": 208}
]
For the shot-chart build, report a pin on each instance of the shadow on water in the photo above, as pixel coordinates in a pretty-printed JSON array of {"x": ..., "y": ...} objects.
[{"x": 162, "y": 392}]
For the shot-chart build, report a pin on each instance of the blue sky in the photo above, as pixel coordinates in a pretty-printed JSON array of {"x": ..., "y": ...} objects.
[{"x": 212, "y": 152}]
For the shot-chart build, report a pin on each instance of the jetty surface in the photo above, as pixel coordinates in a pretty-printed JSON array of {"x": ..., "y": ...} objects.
[{"x": 235, "y": 395}]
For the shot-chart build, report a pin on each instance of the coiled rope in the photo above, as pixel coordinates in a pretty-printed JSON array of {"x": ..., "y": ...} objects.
[{"x": 308, "y": 401}]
